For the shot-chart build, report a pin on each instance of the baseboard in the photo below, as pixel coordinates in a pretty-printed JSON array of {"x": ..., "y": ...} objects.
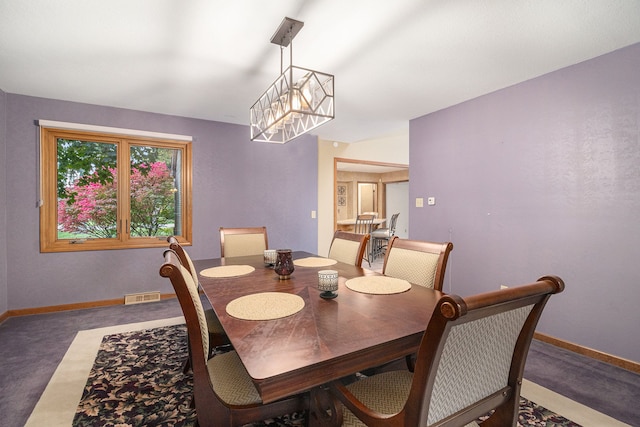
[
  {"x": 67, "y": 307},
  {"x": 4, "y": 316},
  {"x": 629, "y": 365}
]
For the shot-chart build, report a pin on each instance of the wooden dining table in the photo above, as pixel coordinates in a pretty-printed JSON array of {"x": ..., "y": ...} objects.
[{"x": 328, "y": 338}]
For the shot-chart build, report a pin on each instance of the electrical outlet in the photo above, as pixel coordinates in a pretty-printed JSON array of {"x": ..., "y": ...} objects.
[{"x": 504, "y": 287}]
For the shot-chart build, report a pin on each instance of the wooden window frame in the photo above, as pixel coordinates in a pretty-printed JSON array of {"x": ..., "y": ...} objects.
[{"x": 49, "y": 241}]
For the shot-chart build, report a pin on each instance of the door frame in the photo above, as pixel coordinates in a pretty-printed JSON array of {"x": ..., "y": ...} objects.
[{"x": 382, "y": 166}]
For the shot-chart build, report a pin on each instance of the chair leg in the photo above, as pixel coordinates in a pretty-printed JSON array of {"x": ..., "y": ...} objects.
[
  {"x": 411, "y": 362},
  {"x": 187, "y": 363}
]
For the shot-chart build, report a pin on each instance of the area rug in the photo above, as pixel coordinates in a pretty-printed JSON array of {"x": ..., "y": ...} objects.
[{"x": 137, "y": 380}]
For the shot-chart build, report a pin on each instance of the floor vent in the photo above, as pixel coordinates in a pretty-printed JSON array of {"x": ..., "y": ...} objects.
[{"x": 140, "y": 298}]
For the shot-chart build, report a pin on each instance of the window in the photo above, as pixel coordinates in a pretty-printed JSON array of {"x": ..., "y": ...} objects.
[{"x": 109, "y": 191}]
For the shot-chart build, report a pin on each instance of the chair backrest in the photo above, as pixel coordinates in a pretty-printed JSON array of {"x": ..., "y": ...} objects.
[
  {"x": 348, "y": 247},
  {"x": 472, "y": 355},
  {"x": 392, "y": 224},
  {"x": 363, "y": 223},
  {"x": 187, "y": 293},
  {"x": 243, "y": 241},
  {"x": 184, "y": 257},
  {"x": 422, "y": 263}
]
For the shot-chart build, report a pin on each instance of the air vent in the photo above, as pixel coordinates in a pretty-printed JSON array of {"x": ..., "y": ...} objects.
[{"x": 140, "y": 298}]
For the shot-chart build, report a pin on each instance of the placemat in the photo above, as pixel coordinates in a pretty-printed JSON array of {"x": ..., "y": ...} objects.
[
  {"x": 265, "y": 306},
  {"x": 379, "y": 285},
  {"x": 228, "y": 271},
  {"x": 314, "y": 261}
]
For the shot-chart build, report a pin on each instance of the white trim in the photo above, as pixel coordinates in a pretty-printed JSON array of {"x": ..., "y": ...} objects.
[{"x": 107, "y": 129}]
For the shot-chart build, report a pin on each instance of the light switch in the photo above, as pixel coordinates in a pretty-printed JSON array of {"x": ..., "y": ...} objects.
[
  {"x": 419, "y": 202},
  {"x": 313, "y": 214},
  {"x": 431, "y": 201}
]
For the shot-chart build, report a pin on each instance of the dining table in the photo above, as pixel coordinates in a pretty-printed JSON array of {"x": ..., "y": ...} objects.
[{"x": 325, "y": 339}]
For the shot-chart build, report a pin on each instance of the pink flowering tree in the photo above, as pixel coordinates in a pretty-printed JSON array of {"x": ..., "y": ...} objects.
[
  {"x": 90, "y": 207},
  {"x": 152, "y": 199}
]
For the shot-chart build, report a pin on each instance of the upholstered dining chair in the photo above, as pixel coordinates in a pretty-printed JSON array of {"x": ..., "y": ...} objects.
[
  {"x": 380, "y": 236},
  {"x": 470, "y": 361},
  {"x": 243, "y": 241},
  {"x": 348, "y": 247},
  {"x": 422, "y": 263},
  {"x": 224, "y": 393},
  {"x": 217, "y": 336}
]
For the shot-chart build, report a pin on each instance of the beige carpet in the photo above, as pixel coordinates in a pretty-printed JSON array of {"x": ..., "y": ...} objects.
[{"x": 58, "y": 403}]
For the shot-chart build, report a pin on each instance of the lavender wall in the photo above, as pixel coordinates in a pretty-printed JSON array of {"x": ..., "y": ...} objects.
[
  {"x": 3, "y": 204},
  {"x": 235, "y": 183},
  {"x": 543, "y": 178}
]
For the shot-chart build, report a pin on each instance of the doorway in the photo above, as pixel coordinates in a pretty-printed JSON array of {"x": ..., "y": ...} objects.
[
  {"x": 348, "y": 174},
  {"x": 367, "y": 197},
  {"x": 398, "y": 202}
]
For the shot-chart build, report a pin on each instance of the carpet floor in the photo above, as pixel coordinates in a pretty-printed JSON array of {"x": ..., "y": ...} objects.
[
  {"x": 125, "y": 378},
  {"x": 32, "y": 347}
]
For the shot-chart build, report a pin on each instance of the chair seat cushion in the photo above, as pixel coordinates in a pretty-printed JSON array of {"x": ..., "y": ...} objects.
[
  {"x": 381, "y": 233},
  {"x": 230, "y": 380},
  {"x": 213, "y": 323},
  {"x": 385, "y": 393}
]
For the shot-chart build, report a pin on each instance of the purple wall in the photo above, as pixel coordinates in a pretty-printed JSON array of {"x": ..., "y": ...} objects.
[
  {"x": 3, "y": 203},
  {"x": 543, "y": 178},
  {"x": 235, "y": 183}
]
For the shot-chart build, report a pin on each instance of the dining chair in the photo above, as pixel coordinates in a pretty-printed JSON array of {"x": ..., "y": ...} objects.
[
  {"x": 224, "y": 393},
  {"x": 470, "y": 362},
  {"x": 380, "y": 236},
  {"x": 418, "y": 262},
  {"x": 243, "y": 241},
  {"x": 217, "y": 337},
  {"x": 364, "y": 225},
  {"x": 348, "y": 247}
]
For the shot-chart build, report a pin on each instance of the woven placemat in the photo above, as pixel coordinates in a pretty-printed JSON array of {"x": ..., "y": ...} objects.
[
  {"x": 265, "y": 306},
  {"x": 378, "y": 285},
  {"x": 314, "y": 261},
  {"x": 228, "y": 271}
]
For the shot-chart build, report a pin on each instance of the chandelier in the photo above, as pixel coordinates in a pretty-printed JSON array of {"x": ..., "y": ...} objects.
[{"x": 298, "y": 101}]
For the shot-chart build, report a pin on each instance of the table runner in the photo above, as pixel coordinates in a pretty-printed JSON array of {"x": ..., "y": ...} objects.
[
  {"x": 265, "y": 306},
  {"x": 314, "y": 262},
  {"x": 378, "y": 285},
  {"x": 227, "y": 271}
]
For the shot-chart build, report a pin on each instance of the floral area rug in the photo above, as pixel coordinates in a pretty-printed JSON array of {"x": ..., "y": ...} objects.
[{"x": 137, "y": 380}]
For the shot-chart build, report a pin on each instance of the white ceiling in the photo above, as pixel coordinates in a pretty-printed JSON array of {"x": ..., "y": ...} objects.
[{"x": 210, "y": 59}]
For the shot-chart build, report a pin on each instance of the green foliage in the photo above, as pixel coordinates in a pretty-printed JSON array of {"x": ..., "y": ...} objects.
[{"x": 87, "y": 189}]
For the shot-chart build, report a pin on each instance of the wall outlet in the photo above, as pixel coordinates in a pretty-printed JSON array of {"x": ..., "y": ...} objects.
[
  {"x": 504, "y": 287},
  {"x": 431, "y": 201}
]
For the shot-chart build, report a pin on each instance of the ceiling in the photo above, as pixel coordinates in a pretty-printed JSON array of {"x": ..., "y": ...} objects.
[{"x": 210, "y": 59}]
